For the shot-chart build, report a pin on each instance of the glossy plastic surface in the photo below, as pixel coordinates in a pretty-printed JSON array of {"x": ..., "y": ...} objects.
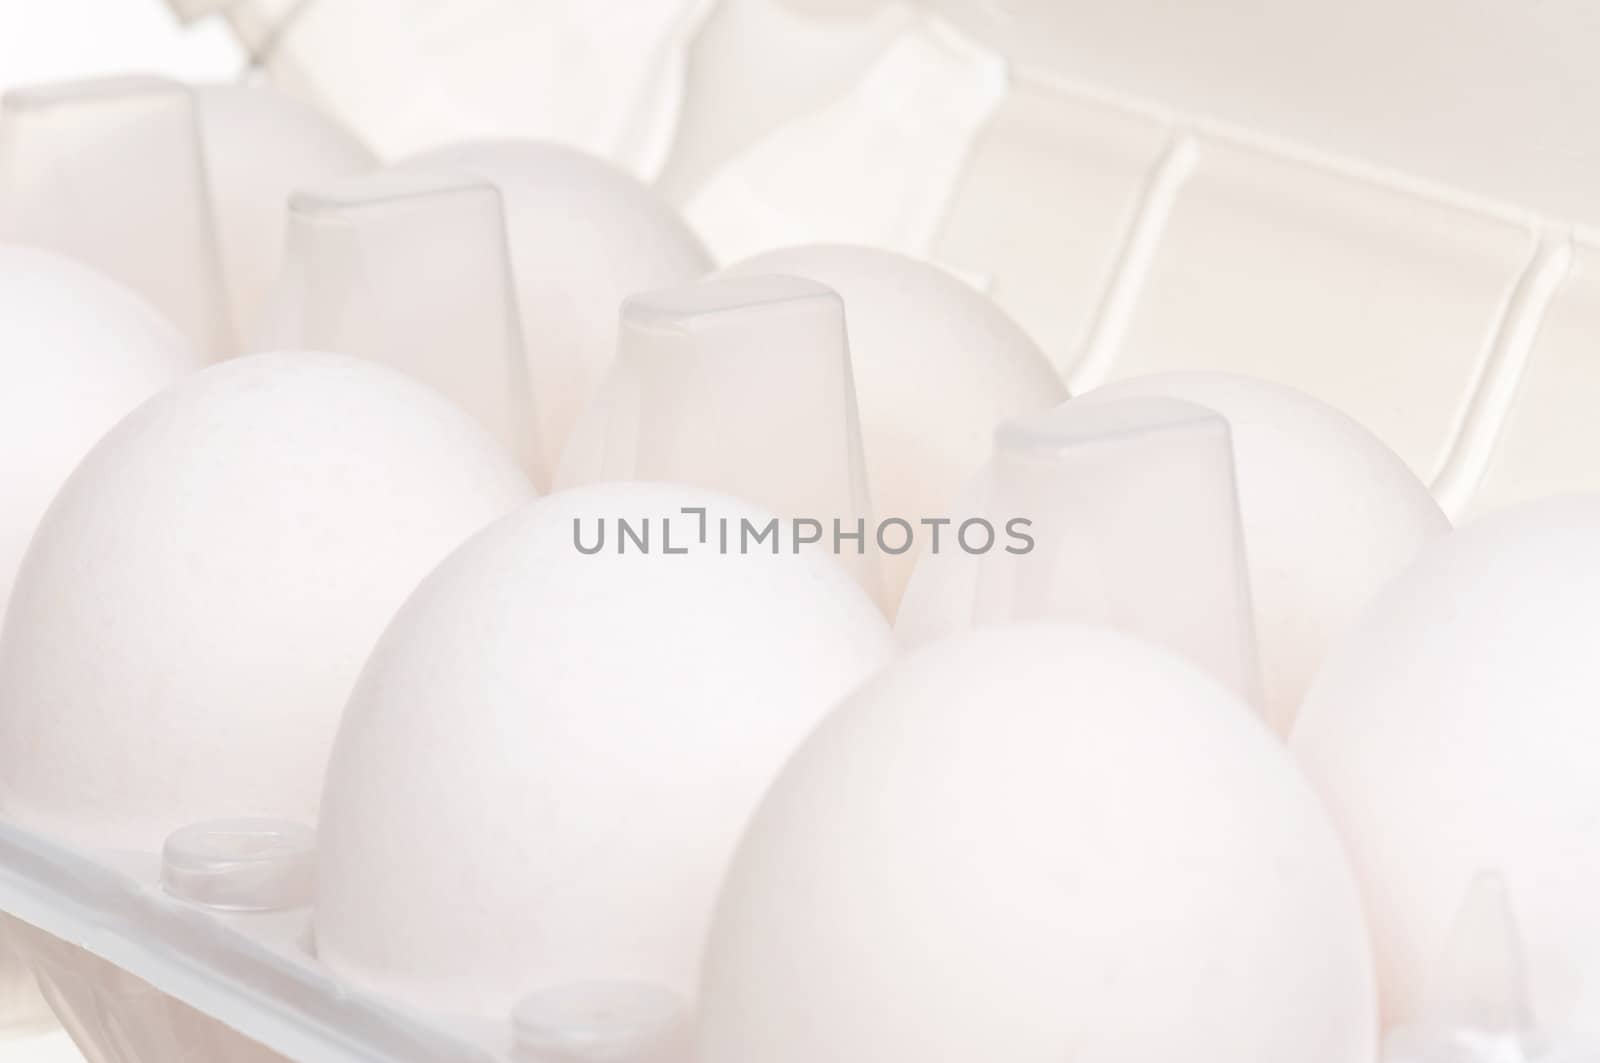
[
  {"x": 410, "y": 75},
  {"x": 1329, "y": 514},
  {"x": 937, "y": 367},
  {"x": 410, "y": 270},
  {"x": 1131, "y": 521},
  {"x": 176, "y": 191},
  {"x": 742, "y": 385},
  {"x": 514, "y": 313}
]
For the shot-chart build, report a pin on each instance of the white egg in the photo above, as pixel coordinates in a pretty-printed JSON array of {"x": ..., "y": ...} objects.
[
  {"x": 1452, "y": 734},
  {"x": 177, "y": 191},
  {"x": 548, "y": 760},
  {"x": 480, "y": 254},
  {"x": 77, "y": 352},
  {"x": 1329, "y": 514},
  {"x": 937, "y": 367},
  {"x": 1037, "y": 844},
  {"x": 198, "y": 600}
]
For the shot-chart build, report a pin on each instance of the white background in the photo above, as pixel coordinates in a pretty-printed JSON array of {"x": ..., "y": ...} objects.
[{"x": 49, "y": 40}]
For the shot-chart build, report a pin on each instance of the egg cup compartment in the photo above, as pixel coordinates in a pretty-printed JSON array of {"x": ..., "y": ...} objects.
[
  {"x": 174, "y": 190},
  {"x": 136, "y": 975},
  {"x": 394, "y": 267},
  {"x": 1130, "y": 514},
  {"x": 741, "y": 384},
  {"x": 78, "y": 155},
  {"x": 511, "y": 255}
]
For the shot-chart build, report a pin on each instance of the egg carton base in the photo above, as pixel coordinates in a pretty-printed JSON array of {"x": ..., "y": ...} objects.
[{"x": 139, "y": 976}]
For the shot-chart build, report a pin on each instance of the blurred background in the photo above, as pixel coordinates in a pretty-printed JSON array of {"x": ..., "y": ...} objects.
[{"x": 52, "y": 41}]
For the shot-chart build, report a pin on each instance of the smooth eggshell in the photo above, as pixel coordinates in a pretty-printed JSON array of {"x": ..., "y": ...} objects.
[
  {"x": 77, "y": 352},
  {"x": 1038, "y": 844},
  {"x": 549, "y": 758},
  {"x": 198, "y": 600},
  {"x": 1454, "y": 732}
]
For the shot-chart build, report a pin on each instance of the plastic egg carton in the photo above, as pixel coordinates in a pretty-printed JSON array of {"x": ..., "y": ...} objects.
[
  {"x": 1168, "y": 208},
  {"x": 1296, "y": 194},
  {"x": 206, "y": 949},
  {"x": 137, "y": 973},
  {"x": 205, "y": 242}
]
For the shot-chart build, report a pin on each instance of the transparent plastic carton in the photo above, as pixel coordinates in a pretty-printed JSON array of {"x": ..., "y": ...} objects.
[{"x": 1342, "y": 197}]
